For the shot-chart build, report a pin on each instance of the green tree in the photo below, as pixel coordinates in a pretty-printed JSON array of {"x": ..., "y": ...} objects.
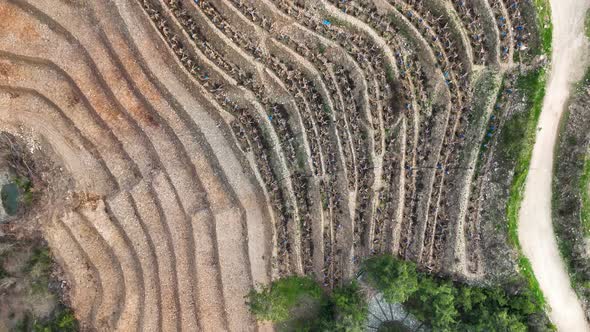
[
  {"x": 434, "y": 304},
  {"x": 397, "y": 280},
  {"x": 501, "y": 322},
  {"x": 350, "y": 309}
]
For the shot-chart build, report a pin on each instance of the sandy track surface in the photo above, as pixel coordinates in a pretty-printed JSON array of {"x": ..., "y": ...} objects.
[{"x": 535, "y": 226}]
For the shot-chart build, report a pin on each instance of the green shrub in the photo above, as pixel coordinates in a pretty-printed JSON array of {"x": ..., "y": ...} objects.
[
  {"x": 63, "y": 321},
  {"x": 275, "y": 301},
  {"x": 26, "y": 188}
]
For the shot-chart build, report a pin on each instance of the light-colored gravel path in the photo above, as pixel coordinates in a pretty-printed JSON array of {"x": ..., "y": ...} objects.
[{"x": 535, "y": 228}]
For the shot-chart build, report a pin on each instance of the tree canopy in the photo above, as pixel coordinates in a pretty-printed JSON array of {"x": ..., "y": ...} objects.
[
  {"x": 396, "y": 281},
  {"x": 449, "y": 306},
  {"x": 300, "y": 303}
]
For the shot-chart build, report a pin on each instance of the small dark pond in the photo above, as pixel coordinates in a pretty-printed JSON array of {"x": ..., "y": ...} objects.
[{"x": 10, "y": 194}]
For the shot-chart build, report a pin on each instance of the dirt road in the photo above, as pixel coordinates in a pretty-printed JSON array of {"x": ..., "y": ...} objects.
[{"x": 535, "y": 228}]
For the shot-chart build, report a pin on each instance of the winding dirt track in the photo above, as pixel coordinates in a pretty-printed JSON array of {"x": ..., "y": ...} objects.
[{"x": 535, "y": 229}]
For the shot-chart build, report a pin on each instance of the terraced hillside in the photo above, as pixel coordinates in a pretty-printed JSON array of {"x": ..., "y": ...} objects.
[{"x": 202, "y": 147}]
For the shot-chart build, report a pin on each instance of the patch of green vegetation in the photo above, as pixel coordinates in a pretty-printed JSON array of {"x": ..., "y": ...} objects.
[
  {"x": 335, "y": 21},
  {"x": 389, "y": 73},
  {"x": 26, "y": 187},
  {"x": 545, "y": 26},
  {"x": 517, "y": 140},
  {"x": 524, "y": 265},
  {"x": 450, "y": 306},
  {"x": 300, "y": 304},
  {"x": 16, "y": 194},
  {"x": 326, "y": 108},
  {"x": 31, "y": 304},
  {"x": 274, "y": 302},
  {"x": 347, "y": 309},
  {"x": 3, "y": 273},
  {"x": 39, "y": 269},
  {"x": 585, "y": 195},
  {"x": 395, "y": 280},
  {"x": 584, "y": 83},
  {"x": 62, "y": 320}
]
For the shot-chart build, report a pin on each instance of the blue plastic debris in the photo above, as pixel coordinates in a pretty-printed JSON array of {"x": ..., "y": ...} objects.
[
  {"x": 326, "y": 22},
  {"x": 270, "y": 117}
]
